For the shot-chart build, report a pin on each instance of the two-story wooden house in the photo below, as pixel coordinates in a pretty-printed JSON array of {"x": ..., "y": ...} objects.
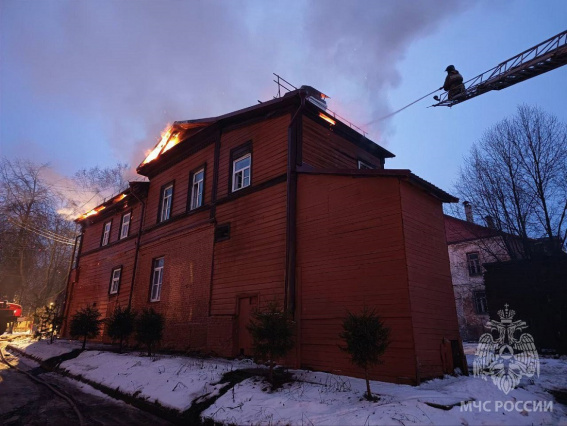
[{"x": 280, "y": 201}]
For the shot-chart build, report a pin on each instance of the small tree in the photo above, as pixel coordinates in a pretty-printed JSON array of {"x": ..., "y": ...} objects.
[
  {"x": 86, "y": 323},
  {"x": 149, "y": 328},
  {"x": 49, "y": 322},
  {"x": 272, "y": 334},
  {"x": 120, "y": 325},
  {"x": 366, "y": 339}
]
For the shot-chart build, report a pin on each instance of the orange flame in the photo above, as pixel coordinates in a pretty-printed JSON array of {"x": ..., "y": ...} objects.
[
  {"x": 327, "y": 119},
  {"x": 168, "y": 140},
  {"x": 92, "y": 212}
]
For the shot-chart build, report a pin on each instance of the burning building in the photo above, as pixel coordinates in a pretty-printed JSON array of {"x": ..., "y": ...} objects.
[{"x": 279, "y": 201}]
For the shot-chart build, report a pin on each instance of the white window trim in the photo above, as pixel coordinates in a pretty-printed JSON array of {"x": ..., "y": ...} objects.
[
  {"x": 166, "y": 202},
  {"x": 199, "y": 184},
  {"x": 159, "y": 270},
  {"x": 235, "y": 172},
  {"x": 115, "y": 281},
  {"x": 125, "y": 225},
  {"x": 106, "y": 233},
  {"x": 364, "y": 165}
]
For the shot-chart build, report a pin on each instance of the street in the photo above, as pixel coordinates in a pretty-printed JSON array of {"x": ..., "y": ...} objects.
[{"x": 26, "y": 402}]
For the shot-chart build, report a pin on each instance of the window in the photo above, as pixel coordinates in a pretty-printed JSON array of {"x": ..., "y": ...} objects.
[
  {"x": 115, "y": 280},
  {"x": 157, "y": 279},
  {"x": 241, "y": 172},
  {"x": 364, "y": 165},
  {"x": 473, "y": 263},
  {"x": 197, "y": 186},
  {"x": 222, "y": 232},
  {"x": 480, "y": 305},
  {"x": 106, "y": 233},
  {"x": 125, "y": 227},
  {"x": 165, "y": 204}
]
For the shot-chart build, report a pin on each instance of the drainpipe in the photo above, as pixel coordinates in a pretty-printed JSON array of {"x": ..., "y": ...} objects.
[
  {"x": 290, "y": 293},
  {"x": 69, "y": 290},
  {"x": 138, "y": 238}
]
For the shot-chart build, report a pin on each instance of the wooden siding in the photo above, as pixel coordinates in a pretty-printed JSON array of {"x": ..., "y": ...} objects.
[
  {"x": 93, "y": 232},
  {"x": 179, "y": 174},
  {"x": 350, "y": 254},
  {"x": 431, "y": 290},
  {"x": 90, "y": 281},
  {"x": 325, "y": 150},
  {"x": 94, "y": 274},
  {"x": 184, "y": 296},
  {"x": 252, "y": 261},
  {"x": 269, "y": 151}
]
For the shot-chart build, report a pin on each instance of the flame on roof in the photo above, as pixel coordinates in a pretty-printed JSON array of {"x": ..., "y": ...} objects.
[
  {"x": 92, "y": 212},
  {"x": 98, "y": 209},
  {"x": 168, "y": 140}
]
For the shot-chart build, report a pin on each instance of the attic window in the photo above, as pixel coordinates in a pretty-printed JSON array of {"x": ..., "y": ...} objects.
[
  {"x": 363, "y": 165},
  {"x": 222, "y": 232}
]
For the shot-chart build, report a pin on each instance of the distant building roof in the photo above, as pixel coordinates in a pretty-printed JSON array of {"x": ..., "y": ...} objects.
[{"x": 458, "y": 230}]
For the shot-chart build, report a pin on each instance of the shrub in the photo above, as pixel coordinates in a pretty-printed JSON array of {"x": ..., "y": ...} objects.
[
  {"x": 49, "y": 322},
  {"x": 366, "y": 339},
  {"x": 149, "y": 328},
  {"x": 86, "y": 323},
  {"x": 120, "y": 325},
  {"x": 272, "y": 334}
]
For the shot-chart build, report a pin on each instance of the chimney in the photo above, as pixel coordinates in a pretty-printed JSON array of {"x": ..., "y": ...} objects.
[
  {"x": 489, "y": 222},
  {"x": 315, "y": 97},
  {"x": 468, "y": 211}
]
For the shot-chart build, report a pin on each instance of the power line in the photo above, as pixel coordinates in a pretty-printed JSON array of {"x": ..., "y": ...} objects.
[{"x": 44, "y": 233}]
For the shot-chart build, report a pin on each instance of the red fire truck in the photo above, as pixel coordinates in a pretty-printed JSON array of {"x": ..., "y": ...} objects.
[{"x": 9, "y": 314}]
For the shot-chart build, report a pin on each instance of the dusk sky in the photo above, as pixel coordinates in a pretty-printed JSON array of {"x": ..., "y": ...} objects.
[{"x": 86, "y": 83}]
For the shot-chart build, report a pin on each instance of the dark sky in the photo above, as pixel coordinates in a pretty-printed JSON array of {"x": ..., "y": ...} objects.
[{"x": 87, "y": 83}]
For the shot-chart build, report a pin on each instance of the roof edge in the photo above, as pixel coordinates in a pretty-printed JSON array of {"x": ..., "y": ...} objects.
[
  {"x": 399, "y": 173},
  {"x": 134, "y": 188}
]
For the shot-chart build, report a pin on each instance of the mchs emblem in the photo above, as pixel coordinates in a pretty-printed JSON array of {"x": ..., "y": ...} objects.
[{"x": 507, "y": 356}]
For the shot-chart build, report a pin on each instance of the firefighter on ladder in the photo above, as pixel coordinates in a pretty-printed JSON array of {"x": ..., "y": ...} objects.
[{"x": 453, "y": 83}]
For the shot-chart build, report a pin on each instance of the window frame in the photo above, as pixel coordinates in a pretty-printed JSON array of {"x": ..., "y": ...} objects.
[
  {"x": 103, "y": 240},
  {"x": 111, "y": 286},
  {"x": 363, "y": 165},
  {"x": 478, "y": 297},
  {"x": 162, "y": 199},
  {"x": 155, "y": 266},
  {"x": 129, "y": 213},
  {"x": 242, "y": 170},
  {"x": 474, "y": 266},
  {"x": 192, "y": 176},
  {"x": 237, "y": 154}
]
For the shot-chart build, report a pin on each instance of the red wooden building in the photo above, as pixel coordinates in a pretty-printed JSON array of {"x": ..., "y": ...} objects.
[{"x": 277, "y": 201}]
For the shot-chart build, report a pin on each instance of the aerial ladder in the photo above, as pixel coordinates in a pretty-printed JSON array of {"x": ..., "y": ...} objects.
[{"x": 544, "y": 57}]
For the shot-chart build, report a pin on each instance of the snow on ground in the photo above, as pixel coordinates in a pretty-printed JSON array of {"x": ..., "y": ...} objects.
[
  {"x": 172, "y": 381},
  {"x": 315, "y": 398},
  {"x": 320, "y": 398},
  {"x": 43, "y": 350}
]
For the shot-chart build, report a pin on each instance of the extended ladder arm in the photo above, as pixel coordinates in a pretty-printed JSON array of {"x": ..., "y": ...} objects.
[{"x": 537, "y": 60}]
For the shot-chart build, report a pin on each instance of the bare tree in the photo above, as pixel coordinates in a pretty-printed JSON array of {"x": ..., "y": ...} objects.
[
  {"x": 95, "y": 185},
  {"x": 101, "y": 179},
  {"x": 516, "y": 174},
  {"x": 35, "y": 241}
]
